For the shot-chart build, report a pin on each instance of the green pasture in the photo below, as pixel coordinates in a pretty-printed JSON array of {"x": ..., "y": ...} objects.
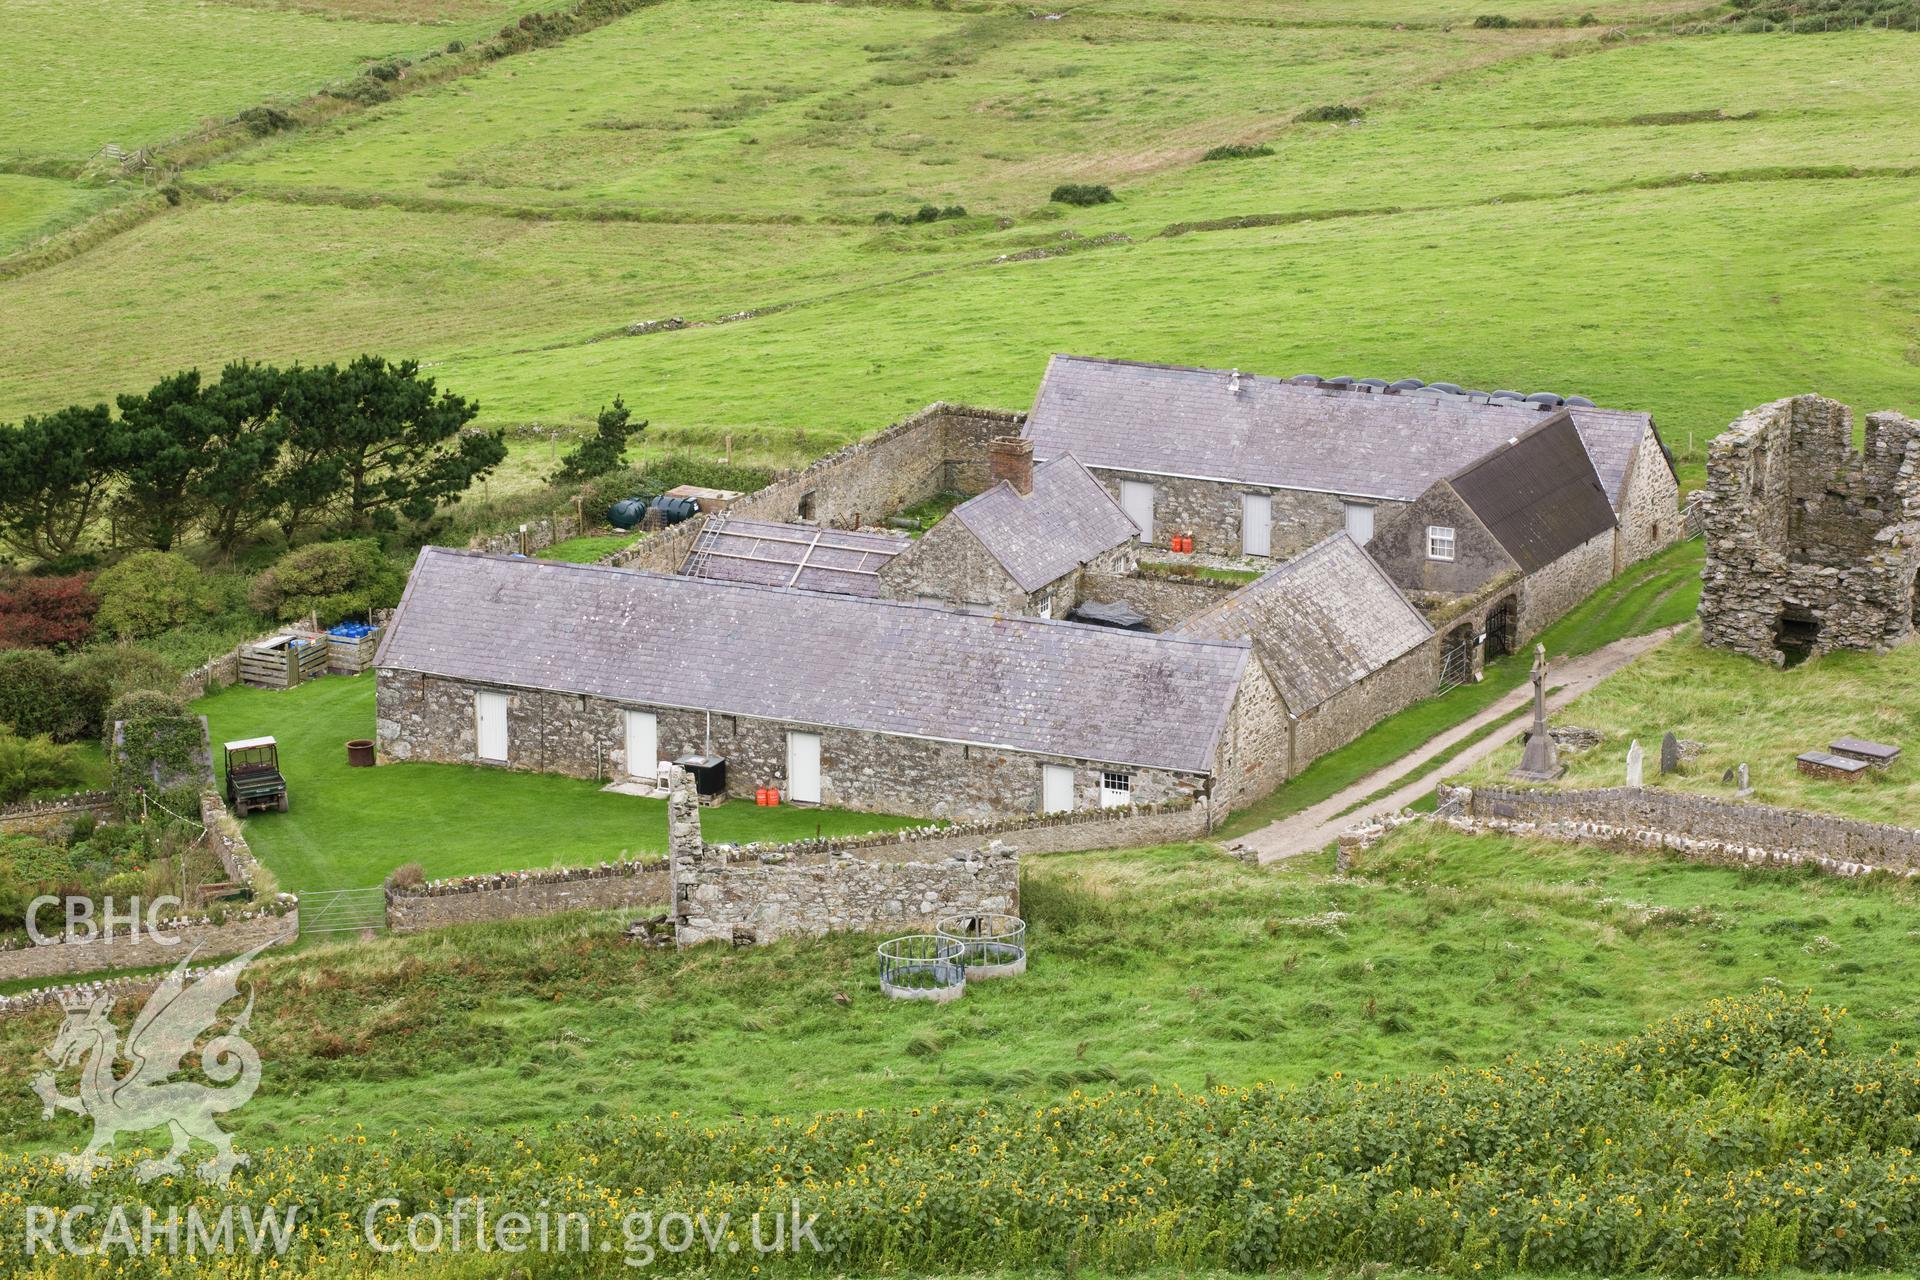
[
  {"x": 1168, "y": 966},
  {"x": 347, "y": 828}
]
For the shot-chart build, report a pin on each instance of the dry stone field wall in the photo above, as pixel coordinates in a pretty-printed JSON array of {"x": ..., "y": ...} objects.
[
  {"x": 1694, "y": 825},
  {"x": 1811, "y": 544},
  {"x": 518, "y": 894}
]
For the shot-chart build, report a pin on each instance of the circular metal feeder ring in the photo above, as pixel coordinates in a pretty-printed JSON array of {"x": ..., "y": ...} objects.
[
  {"x": 992, "y": 944},
  {"x": 922, "y": 966}
]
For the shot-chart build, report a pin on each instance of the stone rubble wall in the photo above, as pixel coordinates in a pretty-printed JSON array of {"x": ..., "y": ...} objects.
[
  {"x": 1548, "y": 593},
  {"x": 1693, "y": 825},
  {"x": 719, "y": 897},
  {"x": 1210, "y": 510},
  {"x": 540, "y": 535},
  {"x": 1794, "y": 516},
  {"x": 37, "y": 817},
  {"x": 517, "y": 895},
  {"x": 1650, "y": 518}
]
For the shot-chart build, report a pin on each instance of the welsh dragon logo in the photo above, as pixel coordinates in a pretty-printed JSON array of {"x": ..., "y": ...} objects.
[{"x": 146, "y": 1096}]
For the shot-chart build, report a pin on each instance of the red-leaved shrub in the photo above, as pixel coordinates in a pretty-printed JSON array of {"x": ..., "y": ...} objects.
[{"x": 47, "y": 613}]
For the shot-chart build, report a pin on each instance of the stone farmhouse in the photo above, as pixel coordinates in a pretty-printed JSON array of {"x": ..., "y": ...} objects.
[
  {"x": 820, "y": 653},
  {"x": 834, "y": 699},
  {"x": 1261, "y": 466},
  {"x": 1028, "y": 545},
  {"x": 1531, "y": 515},
  {"x": 1812, "y": 544}
]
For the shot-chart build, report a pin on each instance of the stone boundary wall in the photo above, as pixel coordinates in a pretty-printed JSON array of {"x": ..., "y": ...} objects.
[
  {"x": 541, "y": 534},
  {"x": 1694, "y": 825},
  {"x": 37, "y": 816},
  {"x": 27, "y": 1001},
  {"x": 944, "y": 446},
  {"x": 515, "y": 895},
  {"x": 202, "y": 938}
]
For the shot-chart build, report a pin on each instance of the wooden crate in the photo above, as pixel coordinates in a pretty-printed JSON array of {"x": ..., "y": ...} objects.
[
  {"x": 278, "y": 663},
  {"x": 351, "y": 657}
]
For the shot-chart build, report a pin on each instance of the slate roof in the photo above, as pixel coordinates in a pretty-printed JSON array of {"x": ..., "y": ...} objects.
[
  {"x": 1067, "y": 520},
  {"x": 1539, "y": 496},
  {"x": 1321, "y": 622},
  {"x": 772, "y": 554},
  {"x": 811, "y": 658},
  {"x": 1178, "y": 421}
]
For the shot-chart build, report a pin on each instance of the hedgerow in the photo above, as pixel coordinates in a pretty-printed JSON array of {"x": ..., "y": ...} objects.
[{"x": 1732, "y": 1138}]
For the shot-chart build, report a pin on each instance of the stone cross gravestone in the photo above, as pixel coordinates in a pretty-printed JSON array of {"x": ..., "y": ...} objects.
[
  {"x": 1635, "y": 764},
  {"x": 1669, "y": 753},
  {"x": 1541, "y": 760}
]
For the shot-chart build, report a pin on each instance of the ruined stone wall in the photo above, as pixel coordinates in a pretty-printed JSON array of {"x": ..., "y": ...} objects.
[
  {"x": 1800, "y": 525},
  {"x": 1164, "y": 600},
  {"x": 431, "y": 718},
  {"x": 38, "y": 817},
  {"x": 718, "y": 896},
  {"x": 1210, "y": 510},
  {"x": 1695, "y": 825},
  {"x": 1649, "y": 511},
  {"x": 1550, "y": 591},
  {"x": 518, "y": 894}
]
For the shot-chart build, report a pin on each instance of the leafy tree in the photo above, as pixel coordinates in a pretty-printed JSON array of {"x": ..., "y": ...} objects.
[
  {"x": 605, "y": 450},
  {"x": 236, "y": 487},
  {"x": 380, "y": 433},
  {"x": 150, "y": 592},
  {"x": 166, "y": 433},
  {"x": 331, "y": 579},
  {"x": 54, "y": 474},
  {"x": 46, "y": 613}
]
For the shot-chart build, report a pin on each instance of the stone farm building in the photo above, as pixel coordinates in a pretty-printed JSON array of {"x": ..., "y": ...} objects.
[
  {"x": 1261, "y": 466},
  {"x": 834, "y": 699},
  {"x": 1027, "y": 545}
]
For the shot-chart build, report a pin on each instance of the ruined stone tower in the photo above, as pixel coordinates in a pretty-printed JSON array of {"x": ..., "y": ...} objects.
[{"x": 1812, "y": 545}]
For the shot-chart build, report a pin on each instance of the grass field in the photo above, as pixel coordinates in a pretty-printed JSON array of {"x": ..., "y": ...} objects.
[
  {"x": 347, "y": 828},
  {"x": 1748, "y": 713},
  {"x": 1660, "y": 591},
  {"x": 1169, "y": 966},
  {"x": 1670, "y": 223}
]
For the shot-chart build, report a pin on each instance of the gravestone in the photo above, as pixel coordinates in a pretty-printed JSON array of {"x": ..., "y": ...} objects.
[
  {"x": 1636, "y": 759},
  {"x": 1746, "y": 786},
  {"x": 1669, "y": 754}
]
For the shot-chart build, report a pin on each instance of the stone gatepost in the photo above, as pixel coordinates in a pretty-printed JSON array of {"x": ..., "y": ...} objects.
[{"x": 686, "y": 849}]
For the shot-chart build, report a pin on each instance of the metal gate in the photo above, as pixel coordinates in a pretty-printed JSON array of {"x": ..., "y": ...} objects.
[
  {"x": 1456, "y": 660},
  {"x": 330, "y": 911}
]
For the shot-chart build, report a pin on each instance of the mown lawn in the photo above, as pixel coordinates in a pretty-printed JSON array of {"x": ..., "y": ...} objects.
[
  {"x": 1658, "y": 592},
  {"x": 1747, "y": 712},
  {"x": 1168, "y": 966},
  {"x": 347, "y": 828}
]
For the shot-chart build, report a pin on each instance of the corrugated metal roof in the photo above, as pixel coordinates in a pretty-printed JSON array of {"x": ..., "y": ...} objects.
[
  {"x": 1203, "y": 423},
  {"x": 1321, "y": 622},
  {"x": 1067, "y": 520},
  {"x": 772, "y": 554},
  {"x": 1539, "y": 496},
  {"x": 811, "y": 658}
]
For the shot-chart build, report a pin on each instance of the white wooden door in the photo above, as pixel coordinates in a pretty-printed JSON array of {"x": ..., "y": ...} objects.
[
  {"x": 1256, "y": 524},
  {"x": 1360, "y": 522},
  {"x": 643, "y": 745},
  {"x": 490, "y": 726},
  {"x": 1136, "y": 499},
  {"x": 803, "y": 768},
  {"x": 1056, "y": 788}
]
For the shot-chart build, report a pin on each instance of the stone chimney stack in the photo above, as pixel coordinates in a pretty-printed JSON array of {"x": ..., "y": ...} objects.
[{"x": 1010, "y": 458}]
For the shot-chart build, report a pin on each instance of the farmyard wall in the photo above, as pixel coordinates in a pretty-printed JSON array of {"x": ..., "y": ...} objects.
[
  {"x": 1697, "y": 826},
  {"x": 518, "y": 894}
]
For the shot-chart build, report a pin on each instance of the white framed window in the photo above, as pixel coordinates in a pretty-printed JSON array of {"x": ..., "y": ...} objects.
[
  {"x": 1116, "y": 790},
  {"x": 1439, "y": 542}
]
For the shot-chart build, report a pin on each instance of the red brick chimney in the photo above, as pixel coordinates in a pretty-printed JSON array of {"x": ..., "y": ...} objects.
[{"x": 1010, "y": 458}]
